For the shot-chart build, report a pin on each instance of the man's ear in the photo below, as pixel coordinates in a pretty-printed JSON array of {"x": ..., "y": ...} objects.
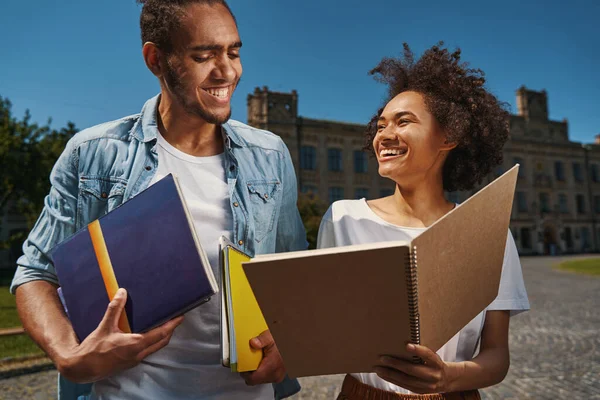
[{"x": 152, "y": 57}]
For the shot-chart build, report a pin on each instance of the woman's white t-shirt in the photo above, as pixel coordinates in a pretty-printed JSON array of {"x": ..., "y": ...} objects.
[{"x": 349, "y": 222}]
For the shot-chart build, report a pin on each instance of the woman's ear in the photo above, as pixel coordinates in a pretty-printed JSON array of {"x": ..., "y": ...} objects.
[{"x": 447, "y": 146}]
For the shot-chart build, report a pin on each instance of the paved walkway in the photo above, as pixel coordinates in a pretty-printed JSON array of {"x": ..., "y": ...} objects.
[{"x": 555, "y": 348}]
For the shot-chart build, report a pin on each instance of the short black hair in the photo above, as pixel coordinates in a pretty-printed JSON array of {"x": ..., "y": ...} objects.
[
  {"x": 469, "y": 114},
  {"x": 160, "y": 19}
]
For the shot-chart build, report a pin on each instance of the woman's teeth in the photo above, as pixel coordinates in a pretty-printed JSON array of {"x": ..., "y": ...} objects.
[{"x": 391, "y": 152}]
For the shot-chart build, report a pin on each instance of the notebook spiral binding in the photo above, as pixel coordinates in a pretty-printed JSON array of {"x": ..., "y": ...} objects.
[{"x": 413, "y": 300}]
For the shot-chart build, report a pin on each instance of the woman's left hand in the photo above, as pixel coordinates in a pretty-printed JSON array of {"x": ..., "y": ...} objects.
[{"x": 435, "y": 376}]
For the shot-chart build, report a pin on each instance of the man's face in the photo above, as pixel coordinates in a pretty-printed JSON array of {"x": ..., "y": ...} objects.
[{"x": 204, "y": 67}]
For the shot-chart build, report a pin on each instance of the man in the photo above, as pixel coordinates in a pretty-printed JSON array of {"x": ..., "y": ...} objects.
[{"x": 238, "y": 182}]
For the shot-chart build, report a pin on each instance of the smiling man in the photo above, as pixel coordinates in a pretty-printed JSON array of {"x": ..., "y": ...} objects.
[{"x": 238, "y": 181}]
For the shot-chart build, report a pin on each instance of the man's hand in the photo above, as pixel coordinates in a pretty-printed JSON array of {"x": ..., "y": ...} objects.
[
  {"x": 271, "y": 368},
  {"x": 435, "y": 376},
  {"x": 108, "y": 350}
]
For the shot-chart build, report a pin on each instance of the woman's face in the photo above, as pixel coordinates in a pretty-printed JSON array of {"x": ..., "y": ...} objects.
[{"x": 409, "y": 144}]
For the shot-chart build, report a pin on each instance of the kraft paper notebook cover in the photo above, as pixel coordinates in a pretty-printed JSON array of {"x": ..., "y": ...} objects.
[
  {"x": 148, "y": 246},
  {"x": 337, "y": 310},
  {"x": 242, "y": 319}
]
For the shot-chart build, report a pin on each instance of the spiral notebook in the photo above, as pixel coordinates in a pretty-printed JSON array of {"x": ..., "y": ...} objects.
[{"x": 337, "y": 310}]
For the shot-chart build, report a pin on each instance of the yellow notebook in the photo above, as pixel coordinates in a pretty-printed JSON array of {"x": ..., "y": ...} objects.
[{"x": 243, "y": 317}]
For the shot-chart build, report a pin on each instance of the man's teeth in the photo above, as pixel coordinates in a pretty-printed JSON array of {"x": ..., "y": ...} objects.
[
  {"x": 222, "y": 93},
  {"x": 391, "y": 152}
]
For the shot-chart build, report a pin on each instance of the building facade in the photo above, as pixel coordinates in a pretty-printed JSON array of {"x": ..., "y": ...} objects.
[{"x": 557, "y": 200}]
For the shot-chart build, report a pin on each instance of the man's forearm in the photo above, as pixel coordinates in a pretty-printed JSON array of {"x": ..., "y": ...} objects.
[{"x": 44, "y": 319}]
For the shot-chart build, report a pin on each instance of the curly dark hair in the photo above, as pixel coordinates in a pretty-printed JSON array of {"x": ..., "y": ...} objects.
[
  {"x": 160, "y": 19},
  {"x": 471, "y": 117}
]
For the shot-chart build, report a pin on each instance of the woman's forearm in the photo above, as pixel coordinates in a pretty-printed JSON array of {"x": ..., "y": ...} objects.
[{"x": 487, "y": 369}]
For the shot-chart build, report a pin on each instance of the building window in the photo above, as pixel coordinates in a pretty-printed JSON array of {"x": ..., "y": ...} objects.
[
  {"x": 563, "y": 203},
  {"x": 521, "y": 202},
  {"x": 309, "y": 189},
  {"x": 559, "y": 171},
  {"x": 335, "y": 194},
  {"x": 545, "y": 202},
  {"x": 308, "y": 158},
  {"x": 518, "y": 160},
  {"x": 597, "y": 204},
  {"x": 525, "y": 238},
  {"x": 568, "y": 238},
  {"x": 361, "y": 162},
  {"x": 577, "y": 172},
  {"x": 386, "y": 192},
  {"x": 585, "y": 238},
  {"x": 360, "y": 193},
  {"x": 334, "y": 159},
  {"x": 594, "y": 173},
  {"x": 580, "y": 200}
]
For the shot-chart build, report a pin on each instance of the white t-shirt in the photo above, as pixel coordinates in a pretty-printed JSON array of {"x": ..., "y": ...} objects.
[
  {"x": 349, "y": 222},
  {"x": 189, "y": 367}
]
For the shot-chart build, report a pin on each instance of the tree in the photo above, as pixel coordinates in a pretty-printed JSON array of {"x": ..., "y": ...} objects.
[
  {"x": 311, "y": 210},
  {"x": 27, "y": 153}
]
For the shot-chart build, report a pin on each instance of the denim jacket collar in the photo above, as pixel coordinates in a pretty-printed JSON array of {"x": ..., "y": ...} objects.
[{"x": 146, "y": 127}]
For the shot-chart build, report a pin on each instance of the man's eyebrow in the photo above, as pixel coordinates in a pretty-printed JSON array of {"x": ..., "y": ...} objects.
[{"x": 210, "y": 47}]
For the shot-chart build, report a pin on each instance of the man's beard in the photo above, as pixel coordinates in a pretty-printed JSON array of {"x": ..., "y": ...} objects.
[{"x": 175, "y": 83}]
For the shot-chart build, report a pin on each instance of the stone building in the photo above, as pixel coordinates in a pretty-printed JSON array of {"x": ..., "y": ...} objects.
[{"x": 557, "y": 201}]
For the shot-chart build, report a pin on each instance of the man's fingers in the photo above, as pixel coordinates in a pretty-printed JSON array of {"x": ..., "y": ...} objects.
[
  {"x": 263, "y": 340},
  {"x": 159, "y": 333},
  {"x": 269, "y": 370},
  {"x": 114, "y": 310},
  {"x": 154, "y": 348}
]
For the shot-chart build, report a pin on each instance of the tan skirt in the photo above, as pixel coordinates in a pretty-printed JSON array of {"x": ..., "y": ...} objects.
[{"x": 352, "y": 389}]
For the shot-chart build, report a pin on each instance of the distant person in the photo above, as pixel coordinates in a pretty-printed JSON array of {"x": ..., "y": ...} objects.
[
  {"x": 238, "y": 181},
  {"x": 440, "y": 130}
]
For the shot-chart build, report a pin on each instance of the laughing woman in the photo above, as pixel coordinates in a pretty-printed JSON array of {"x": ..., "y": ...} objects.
[{"x": 440, "y": 130}]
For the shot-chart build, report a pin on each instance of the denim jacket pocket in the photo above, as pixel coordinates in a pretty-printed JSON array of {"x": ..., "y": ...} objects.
[
  {"x": 98, "y": 196},
  {"x": 264, "y": 200}
]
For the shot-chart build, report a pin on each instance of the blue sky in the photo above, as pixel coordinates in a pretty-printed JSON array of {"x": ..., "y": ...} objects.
[{"x": 81, "y": 60}]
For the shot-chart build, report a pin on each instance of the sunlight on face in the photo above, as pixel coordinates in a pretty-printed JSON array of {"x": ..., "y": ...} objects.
[
  {"x": 409, "y": 144},
  {"x": 205, "y": 67}
]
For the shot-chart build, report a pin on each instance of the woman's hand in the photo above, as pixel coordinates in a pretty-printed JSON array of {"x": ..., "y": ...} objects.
[{"x": 434, "y": 376}]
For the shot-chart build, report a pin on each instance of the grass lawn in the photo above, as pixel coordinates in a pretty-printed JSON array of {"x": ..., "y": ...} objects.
[
  {"x": 590, "y": 266},
  {"x": 17, "y": 345}
]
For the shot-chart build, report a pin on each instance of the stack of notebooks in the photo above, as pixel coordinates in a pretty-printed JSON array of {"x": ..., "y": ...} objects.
[
  {"x": 148, "y": 246},
  {"x": 241, "y": 318}
]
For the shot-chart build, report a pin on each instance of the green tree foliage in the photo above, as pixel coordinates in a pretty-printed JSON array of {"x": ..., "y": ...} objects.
[
  {"x": 27, "y": 153},
  {"x": 311, "y": 210}
]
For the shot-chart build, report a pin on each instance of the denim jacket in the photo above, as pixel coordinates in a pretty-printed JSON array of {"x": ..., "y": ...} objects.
[{"x": 106, "y": 165}]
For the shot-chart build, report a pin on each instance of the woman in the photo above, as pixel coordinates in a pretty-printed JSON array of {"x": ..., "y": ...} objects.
[{"x": 440, "y": 130}]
